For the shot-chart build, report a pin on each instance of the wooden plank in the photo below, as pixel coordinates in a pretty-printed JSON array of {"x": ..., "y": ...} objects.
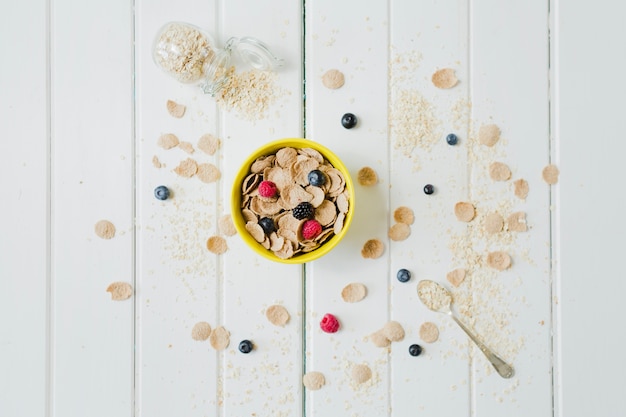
[
  {"x": 24, "y": 246},
  {"x": 268, "y": 381},
  {"x": 178, "y": 280},
  {"x": 352, "y": 38},
  {"x": 588, "y": 91},
  {"x": 92, "y": 179},
  {"x": 512, "y": 309}
]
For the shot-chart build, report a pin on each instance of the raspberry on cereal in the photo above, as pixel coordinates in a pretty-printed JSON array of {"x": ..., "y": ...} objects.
[
  {"x": 311, "y": 229},
  {"x": 329, "y": 323},
  {"x": 267, "y": 189}
]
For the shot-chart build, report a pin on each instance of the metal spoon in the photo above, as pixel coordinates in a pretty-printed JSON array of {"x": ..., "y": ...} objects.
[{"x": 437, "y": 298}]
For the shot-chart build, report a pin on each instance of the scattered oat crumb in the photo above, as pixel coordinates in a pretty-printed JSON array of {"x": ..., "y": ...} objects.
[
  {"x": 333, "y": 79},
  {"x": 493, "y": 223},
  {"x": 367, "y": 177},
  {"x": 404, "y": 215},
  {"x": 220, "y": 338},
  {"x": 175, "y": 110},
  {"x": 226, "y": 225},
  {"x": 399, "y": 231},
  {"x": 393, "y": 331},
  {"x": 201, "y": 331},
  {"x": 156, "y": 163},
  {"x": 456, "y": 277},
  {"x": 521, "y": 188},
  {"x": 444, "y": 78},
  {"x": 379, "y": 339},
  {"x": 168, "y": 141},
  {"x": 249, "y": 93},
  {"x": 464, "y": 211},
  {"x": 187, "y": 147},
  {"x": 105, "y": 229},
  {"x": 429, "y": 332},
  {"x": 216, "y": 245},
  {"x": 373, "y": 249},
  {"x": 120, "y": 291},
  {"x": 499, "y": 260},
  {"x": 313, "y": 380},
  {"x": 550, "y": 174},
  {"x": 277, "y": 315},
  {"x": 354, "y": 292},
  {"x": 516, "y": 222},
  {"x": 361, "y": 373},
  {"x": 499, "y": 171},
  {"x": 187, "y": 168},
  {"x": 208, "y": 173},
  {"x": 489, "y": 135},
  {"x": 208, "y": 144}
]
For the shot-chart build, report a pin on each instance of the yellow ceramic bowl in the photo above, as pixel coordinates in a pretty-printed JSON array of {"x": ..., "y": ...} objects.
[{"x": 236, "y": 196}]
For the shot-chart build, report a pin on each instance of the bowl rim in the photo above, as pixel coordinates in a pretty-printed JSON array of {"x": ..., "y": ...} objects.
[{"x": 235, "y": 198}]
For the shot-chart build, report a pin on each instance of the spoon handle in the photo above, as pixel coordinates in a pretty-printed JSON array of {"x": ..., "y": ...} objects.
[{"x": 504, "y": 369}]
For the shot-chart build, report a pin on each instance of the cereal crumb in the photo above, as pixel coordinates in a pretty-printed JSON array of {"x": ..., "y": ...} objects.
[
  {"x": 333, "y": 79},
  {"x": 404, "y": 215},
  {"x": 521, "y": 188},
  {"x": 201, "y": 331},
  {"x": 187, "y": 168},
  {"x": 499, "y": 260},
  {"x": 105, "y": 229},
  {"x": 493, "y": 223},
  {"x": 277, "y": 315},
  {"x": 156, "y": 163},
  {"x": 361, "y": 373},
  {"x": 399, "y": 231},
  {"x": 393, "y": 331},
  {"x": 187, "y": 147},
  {"x": 373, "y": 249},
  {"x": 499, "y": 171},
  {"x": 550, "y": 174},
  {"x": 208, "y": 173},
  {"x": 208, "y": 144},
  {"x": 354, "y": 292},
  {"x": 175, "y": 110},
  {"x": 313, "y": 380},
  {"x": 216, "y": 245},
  {"x": 456, "y": 277},
  {"x": 220, "y": 338},
  {"x": 168, "y": 141},
  {"x": 120, "y": 291},
  {"x": 226, "y": 226},
  {"x": 516, "y": 222},
  {"x": 488, "y": 135},
  {"x": 379, "y": 339},
  {"x": 444, "y": 78},
  {"x": 429, "y": 332},
  {"x": 464, "y": 211},
  {"x": 367, "y": 177}
]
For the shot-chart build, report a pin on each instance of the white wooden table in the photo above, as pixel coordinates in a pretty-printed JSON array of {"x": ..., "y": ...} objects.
[{"x": 82, "y": 106}]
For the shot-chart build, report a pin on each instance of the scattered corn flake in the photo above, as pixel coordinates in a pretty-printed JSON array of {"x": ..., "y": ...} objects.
[
  {"x": 367, "y": 177},
  {"x": 175, "y": 110},
  {"x": 354, "y": 292},
  {"x": 516, "y": 222},
  {"x": 277, "y": 315},
  {"x": 499, "y": 171},
  {"x": 488, "y": 135},
  {"x": 521, "y": 188},
  {"x": 373, "y": 249},
  {"x": 399, "y": 231},
  {"x": 456, "y": 276},
  {"x": 105, "y": 229},
  {"x": 216, "y": 245},
  {"x": 256, "y": 231},
  {"x": 429, "y": 332},
  {"x": 219, "y": 338},
  {"x": 393, "y": 331},
  {"x": 550, "y": 174},
  {"x": 313, "y": 380},
  {"x": 361, "y": 373},
  {"x": 226, "y": 226},
  {"x": 379, "y": 339},
  {"x": 444, "y": 78},
  {"x": 208, "y": 144},
  {"x": 120, "y": 291},
  {"x": 333, "y": 79},
  {"x": 493, "y": 223},
  {"x": 404, "y": 215},
  {"x": 156, "y": 163},
  {"x": 208, "y": 173},
  {"x": 464, "y": 211},
  {"x": 168, "y": 141},
  {"x": 201, "y": 331},
  {"x": 187, "y": 147},
  {"x": 326, "y": 213},
  {"x": 187, "y": 168},
  {"x": 499, "y": 260}
]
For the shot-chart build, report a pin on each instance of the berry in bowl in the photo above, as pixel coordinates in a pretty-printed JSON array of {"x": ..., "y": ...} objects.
[{"x": 292, "y": 201}]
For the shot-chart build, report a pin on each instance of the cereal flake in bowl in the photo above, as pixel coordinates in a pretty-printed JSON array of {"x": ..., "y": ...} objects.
[{"x": 292, "y": 201}]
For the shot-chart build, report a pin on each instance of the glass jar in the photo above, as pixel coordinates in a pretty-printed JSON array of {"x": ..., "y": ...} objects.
[{"x": 190, "y": 55}]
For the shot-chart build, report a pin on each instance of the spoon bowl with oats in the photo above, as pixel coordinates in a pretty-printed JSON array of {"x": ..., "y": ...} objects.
[{"x": 437, "y": 298}]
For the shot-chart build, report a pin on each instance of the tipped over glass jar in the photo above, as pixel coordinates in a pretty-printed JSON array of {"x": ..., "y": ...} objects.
[{"x": 190, "y": 55}]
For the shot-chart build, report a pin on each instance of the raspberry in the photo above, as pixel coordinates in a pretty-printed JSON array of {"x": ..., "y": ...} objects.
[
  {"x": 329, "y": 323},
  {"x": 303, "y": 211},
  {"x": 311, "y": 229},
  {"x": 267, "y": 189}
]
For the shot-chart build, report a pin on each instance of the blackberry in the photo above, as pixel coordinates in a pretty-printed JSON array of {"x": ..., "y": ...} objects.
[
  {"x": 267, "y": 225},
  {"x": 303, "y": 211}
]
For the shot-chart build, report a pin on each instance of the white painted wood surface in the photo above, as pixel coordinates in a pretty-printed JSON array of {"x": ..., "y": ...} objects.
[{"x": 83, "y": 105}]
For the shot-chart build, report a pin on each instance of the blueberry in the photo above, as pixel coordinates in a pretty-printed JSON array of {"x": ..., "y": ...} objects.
[
  {"x": 316, "y": 178},
  {"x": 429, "y": 189},
  {"x": 267, "y": 225},
  {"x": 245, "y": 346},
  {"x": 403, "y": 275},
  {"x": 452, "y": 139},
  {"x": 348, "y": 120},
  {"x": 162, "y": 192},
  {"x": 415, "y": 350}
]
